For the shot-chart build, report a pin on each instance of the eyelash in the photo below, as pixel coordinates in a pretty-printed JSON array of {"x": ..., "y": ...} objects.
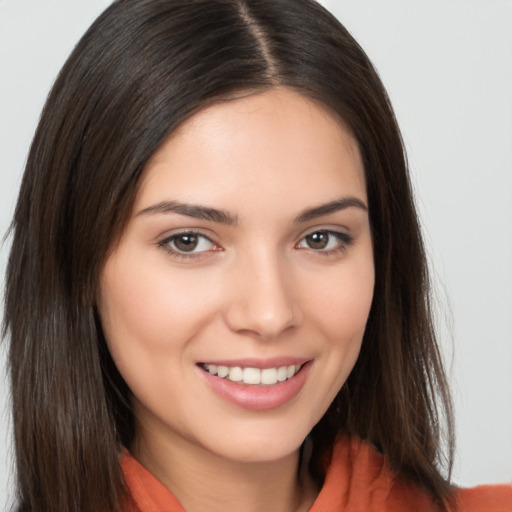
[
  {"x": 176, "y": 253},
  {"x": 344, "y": 241}
]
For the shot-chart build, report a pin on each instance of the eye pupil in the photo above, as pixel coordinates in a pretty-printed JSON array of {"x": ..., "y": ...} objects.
[
  {"x": 186, "y": 243},
  {"x": 317, "y": 240}
]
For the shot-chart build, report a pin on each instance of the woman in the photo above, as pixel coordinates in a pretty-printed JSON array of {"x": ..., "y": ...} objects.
[{"x": 228, "y": 291}]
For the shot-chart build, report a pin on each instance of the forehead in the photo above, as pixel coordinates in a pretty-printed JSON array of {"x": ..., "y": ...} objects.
[{"x": 272, "y": 142}]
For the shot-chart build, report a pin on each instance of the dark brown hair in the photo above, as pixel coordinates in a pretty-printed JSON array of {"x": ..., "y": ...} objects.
[{"x": 142, "y": 69}]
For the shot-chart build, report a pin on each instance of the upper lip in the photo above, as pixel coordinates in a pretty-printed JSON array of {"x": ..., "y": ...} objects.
[{"x": 251, "y": 362}]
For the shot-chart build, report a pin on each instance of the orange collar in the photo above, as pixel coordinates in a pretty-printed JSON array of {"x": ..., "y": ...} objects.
[{"x": 358, "y": 479}]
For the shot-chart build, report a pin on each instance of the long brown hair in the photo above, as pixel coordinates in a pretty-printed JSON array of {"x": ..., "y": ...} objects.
[{"x": 142, "y": 69}]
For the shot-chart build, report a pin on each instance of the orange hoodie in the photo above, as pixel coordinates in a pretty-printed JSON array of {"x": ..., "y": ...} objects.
[{"x": 358, "y": 480}]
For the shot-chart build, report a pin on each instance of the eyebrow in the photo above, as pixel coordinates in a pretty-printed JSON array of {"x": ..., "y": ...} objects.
[
  {"x": 192, "y": 210},
  {"x": 224, "y": 217},
  {"x": 332, "y": 207}
]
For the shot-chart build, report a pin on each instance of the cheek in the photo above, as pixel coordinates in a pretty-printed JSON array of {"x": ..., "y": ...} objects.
[
  {"x": 342, "y": 305},
  {"x": 340, "y": 314},
  {"x": 141, "y": 301},
  {"x": 339, "y": 309},
  {"x": 148, "y": 315},
  {"x": 148, "y": 318}
]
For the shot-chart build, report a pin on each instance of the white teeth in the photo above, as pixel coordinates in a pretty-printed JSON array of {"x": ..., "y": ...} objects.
[
  {"x": 222, "y": 372},
  {"x": 291, "y": 370},
  {"x": 254, "y": 376},
  {"x": 282, "y": 373},
  {"x": 236, "y": 374},
  {"x": 269, "y": 376},
  {"x": 251, "y": 376}
]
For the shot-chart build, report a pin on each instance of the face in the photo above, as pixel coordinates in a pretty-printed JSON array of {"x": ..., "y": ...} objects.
[{"x": 235, "y": 302}]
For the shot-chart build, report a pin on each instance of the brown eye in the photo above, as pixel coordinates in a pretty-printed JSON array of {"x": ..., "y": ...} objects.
[
  {"x": 186, "y": 243},
  {"x": 325, "y": 242},
  {"x": 318, "y": 240}
]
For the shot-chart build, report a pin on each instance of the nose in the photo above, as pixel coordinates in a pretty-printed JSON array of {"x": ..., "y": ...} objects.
[{"x": 263, "y": 301}]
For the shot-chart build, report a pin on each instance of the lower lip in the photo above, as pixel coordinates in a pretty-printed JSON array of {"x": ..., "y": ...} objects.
[{"x": 258, "y": 398}]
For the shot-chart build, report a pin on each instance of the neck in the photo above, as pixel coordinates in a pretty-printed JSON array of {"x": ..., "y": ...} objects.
[{"x": 203, "y": 481}]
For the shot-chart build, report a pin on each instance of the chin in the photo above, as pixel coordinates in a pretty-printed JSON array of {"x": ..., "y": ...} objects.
[{"x": 262, "y": 446}]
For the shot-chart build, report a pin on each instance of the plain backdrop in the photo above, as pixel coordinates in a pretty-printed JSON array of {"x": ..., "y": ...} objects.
[{"x": 447, "y": 65}]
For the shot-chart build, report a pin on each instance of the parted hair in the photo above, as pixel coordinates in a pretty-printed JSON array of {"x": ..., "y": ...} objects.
[{"x": 143, "y": 68}]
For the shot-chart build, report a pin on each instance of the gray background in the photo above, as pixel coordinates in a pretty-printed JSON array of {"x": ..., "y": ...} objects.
[{"x": 447, "y": 65}]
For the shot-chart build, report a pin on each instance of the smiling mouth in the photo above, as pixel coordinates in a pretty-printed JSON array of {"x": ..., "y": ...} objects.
[{"x": 253, "y": 376}]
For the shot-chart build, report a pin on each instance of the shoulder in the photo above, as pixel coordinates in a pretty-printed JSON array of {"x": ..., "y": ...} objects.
[
  {"x": 485, "y": 498},
  {"x": 358, "y": 477}
]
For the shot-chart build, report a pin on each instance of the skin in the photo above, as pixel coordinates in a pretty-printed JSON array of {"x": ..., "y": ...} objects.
[{"x": 255, "y": 287}]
